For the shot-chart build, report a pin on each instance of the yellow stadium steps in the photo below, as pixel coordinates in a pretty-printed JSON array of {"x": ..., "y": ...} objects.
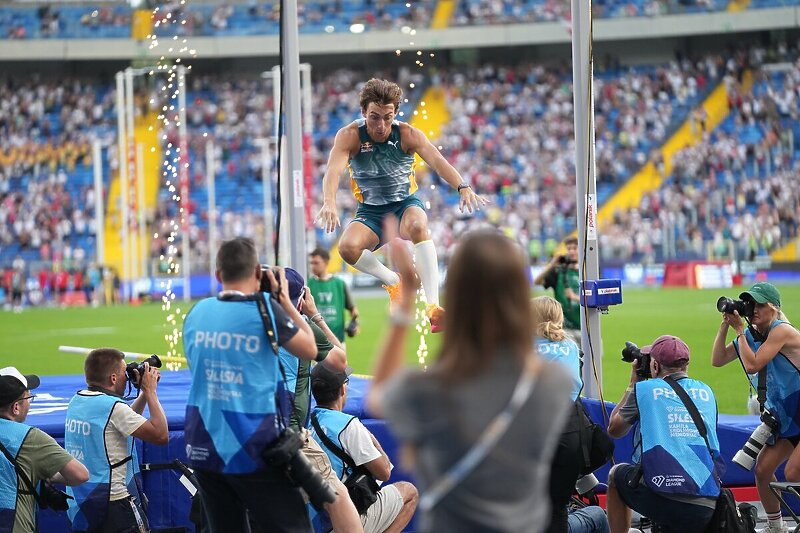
[
  {"x": 145, "y": 135},
  {"x": 443, "y": 14}
]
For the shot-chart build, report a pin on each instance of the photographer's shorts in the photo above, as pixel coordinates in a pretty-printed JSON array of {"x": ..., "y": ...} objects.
[
  {"x": 318, "y": 458},
  {"x": 383, "y": 512}
]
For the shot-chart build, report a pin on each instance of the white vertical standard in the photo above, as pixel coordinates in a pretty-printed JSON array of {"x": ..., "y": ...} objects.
[
  {"x": 133, "y": 249},
  {"x": 585, "y": 190},
  {"x": 99, "y": 216},
  {"x": 294, "y": 138},
  {"x": 183, "y": 176},
  {"x": 122, "y": 159},
  {"x": 142, "y": 223},
  {"x": 211, "y": 171}
]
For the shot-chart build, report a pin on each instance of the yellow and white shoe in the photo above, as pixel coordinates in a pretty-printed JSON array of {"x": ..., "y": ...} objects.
[{"x": 436, "y": 316}]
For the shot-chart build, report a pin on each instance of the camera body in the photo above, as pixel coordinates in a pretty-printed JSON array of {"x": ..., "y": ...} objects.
[
  {"x": 153, "y": 361},
  {"x": 53, "y": 498},
  {"x": 632, "y": 353},
  {"x": 746, "y": 457},
  {"x": 266, "y": 286},
  {"x": 564, "y": 260},
  {"x": 745, "y": 308},
  {"x": 352, "y": 327},
  {"x": 284, "y": 453}
]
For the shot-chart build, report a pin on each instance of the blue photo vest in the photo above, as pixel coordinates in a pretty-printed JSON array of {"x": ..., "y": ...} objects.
[
  {"x": 333, "y": 423},
  {"x": 672, "y": 452},
  {"x": 783, "y": 387},
  {"x": 568, "y": 354},
  {"x": 231, "y": 413},
  {"x": 88, "y": 416},
  {"x": 12, "y": 435}
]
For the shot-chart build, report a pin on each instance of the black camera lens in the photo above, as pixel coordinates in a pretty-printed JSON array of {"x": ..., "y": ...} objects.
[
  {"x": 266, "y": 286},
  {"x": 138, "y": 366}
]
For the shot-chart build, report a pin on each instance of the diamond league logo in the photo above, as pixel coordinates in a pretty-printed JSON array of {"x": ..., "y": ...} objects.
[{"x": 657, "y": 480}]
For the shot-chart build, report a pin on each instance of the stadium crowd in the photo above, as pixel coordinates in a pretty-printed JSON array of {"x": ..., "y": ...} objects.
[{"x": 502, "y": 116}]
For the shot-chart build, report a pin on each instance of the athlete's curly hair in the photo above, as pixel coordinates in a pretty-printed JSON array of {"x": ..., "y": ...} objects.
[{"x": 381, "y": 92}]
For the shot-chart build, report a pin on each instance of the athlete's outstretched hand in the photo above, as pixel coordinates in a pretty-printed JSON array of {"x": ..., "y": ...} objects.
[
  {"x": 328, "y": 217},
  {"x": 471, "y": 201}
]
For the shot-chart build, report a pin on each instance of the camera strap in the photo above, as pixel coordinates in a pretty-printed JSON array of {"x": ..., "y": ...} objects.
[
  {"x": 269, "y": 327},
  {"x": 337, "y": 451},
  {"x": 485, "y": 443},
  {"x": 23, "y": 476},
  {"x": 696, "y": 417}
]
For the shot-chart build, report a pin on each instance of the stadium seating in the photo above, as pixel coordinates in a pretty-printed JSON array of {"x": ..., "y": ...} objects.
[
  {"x": 321, "y": 16},
  {"x": 734, "y": 195}
]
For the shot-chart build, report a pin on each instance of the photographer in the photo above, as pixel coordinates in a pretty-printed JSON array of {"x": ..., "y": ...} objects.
[
  {"x": 396, "y": 503},
  {"x": 330, "y": 354},
  {"x": 554, "y": 344},
  {"x": 674, "y": 479},
  {"x": 34, "y": 455},
  {"x": 231, "y": 415},
  {"x": 99, "y": 430},
  {"x": 772, "y": 346},
  {"x": 562, "y": 275}
]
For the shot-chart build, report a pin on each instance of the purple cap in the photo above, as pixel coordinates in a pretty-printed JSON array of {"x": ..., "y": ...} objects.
[
  {"x": 668, "y": 350},
  {"x": 296, "y": 284}
]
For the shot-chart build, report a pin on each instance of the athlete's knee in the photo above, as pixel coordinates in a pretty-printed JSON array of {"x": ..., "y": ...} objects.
[
  {"x": 350, "y": 251},
  {"x": 792, "y": 471},
  {"x": 418, "y": 230}
]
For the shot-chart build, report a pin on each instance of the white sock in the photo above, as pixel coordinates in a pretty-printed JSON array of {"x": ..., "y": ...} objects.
[
  {"x": 369, "y": 264},
  {"x": 428, "y": 270}
]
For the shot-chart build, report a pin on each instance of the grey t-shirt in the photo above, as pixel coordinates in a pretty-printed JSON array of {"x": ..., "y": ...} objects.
[{"x": 508, "y": 490}]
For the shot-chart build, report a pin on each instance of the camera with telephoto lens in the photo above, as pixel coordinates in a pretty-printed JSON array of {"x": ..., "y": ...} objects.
[
  {"x": 566, "y": 260},
  {"x": 285, "y": 454},
  {"x": 632, "y": 353},
  {"x": 53, "y": 498},
  {"x": 153, "y": 361},
  {"x": 266, "y": 286},
  {"x": 746, "y": 457},
  {"x": 745, "y": 308}
]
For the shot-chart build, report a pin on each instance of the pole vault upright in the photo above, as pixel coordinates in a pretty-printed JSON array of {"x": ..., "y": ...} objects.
[
  {"x": 585, "y": 190},
  {"x": 294, "y": 137}
]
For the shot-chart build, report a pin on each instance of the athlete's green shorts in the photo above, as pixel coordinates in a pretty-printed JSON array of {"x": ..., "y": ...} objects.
[{"x": 372, "y": 215}]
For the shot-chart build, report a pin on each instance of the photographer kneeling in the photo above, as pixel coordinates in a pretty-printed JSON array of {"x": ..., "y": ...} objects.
[
  {"x": 674, "y": 479},
  {"x": 772, "y": 349}
]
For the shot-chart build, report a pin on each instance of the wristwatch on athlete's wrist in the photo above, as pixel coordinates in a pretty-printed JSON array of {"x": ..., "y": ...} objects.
[{"x": 463, "y": 186}]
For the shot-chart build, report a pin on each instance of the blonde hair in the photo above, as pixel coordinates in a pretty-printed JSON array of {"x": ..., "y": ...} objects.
[{"x": 549, "y": 318}]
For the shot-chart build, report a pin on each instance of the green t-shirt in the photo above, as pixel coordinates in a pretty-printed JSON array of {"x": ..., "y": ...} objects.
[
  {"x": 40, "y": 457},
  {"x": 330, "y": 296},
  {"x": 302, "y": 390},
  {"x": 559, "y": 279}
]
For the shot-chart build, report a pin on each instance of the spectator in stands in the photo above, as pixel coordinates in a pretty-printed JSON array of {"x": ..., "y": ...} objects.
[
  {"x": 442, "y": 414},
  {"x": 332, "y": 295},
  {"x": 687, "y": 502},
  {"x": 562, "y": 275},
  {"x": 396, "y": 502},
  {"x": 100, "y": 428},
  {"x": 28, "y": 455},
  {"x": 233, "y": 476},
  {"x": 330, "y": 353},
  {"x": 772, "y": 346}
]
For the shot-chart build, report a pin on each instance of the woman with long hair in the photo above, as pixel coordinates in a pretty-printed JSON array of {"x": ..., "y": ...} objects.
[
  {"x": 442, "y": 414},
  {"x": 773, "y": 345}
]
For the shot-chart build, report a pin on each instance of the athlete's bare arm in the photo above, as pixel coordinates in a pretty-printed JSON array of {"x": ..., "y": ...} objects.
[
  {"x": 344, "y": 144},
  {"x": 414, "y": 141}
]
